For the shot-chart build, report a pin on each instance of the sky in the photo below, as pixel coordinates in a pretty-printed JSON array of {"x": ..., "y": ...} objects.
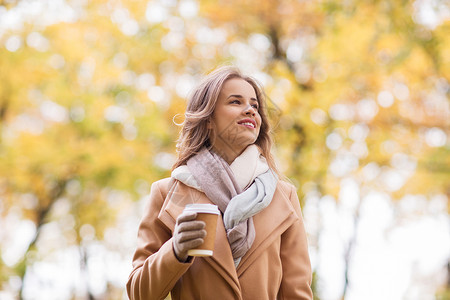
[{"x": 401, "y": 249}]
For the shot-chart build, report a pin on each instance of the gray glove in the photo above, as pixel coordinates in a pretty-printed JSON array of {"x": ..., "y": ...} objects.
[{"x": 187, "y": 234}]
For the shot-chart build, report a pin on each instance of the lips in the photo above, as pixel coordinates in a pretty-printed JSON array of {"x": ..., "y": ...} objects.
[{"x": 250, "y": 123}]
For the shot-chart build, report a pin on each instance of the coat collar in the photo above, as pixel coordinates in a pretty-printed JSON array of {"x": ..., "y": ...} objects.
[{"x": 269, "y": 223}]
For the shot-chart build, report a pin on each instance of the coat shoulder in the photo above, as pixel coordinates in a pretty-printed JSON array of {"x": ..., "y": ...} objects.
[
  {"x": 290, "y": 191},
  {"x": 286, "y": 186},
  {"x": 163, "y": 185}
]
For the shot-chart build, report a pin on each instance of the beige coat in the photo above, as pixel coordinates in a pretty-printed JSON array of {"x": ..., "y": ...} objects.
[{"x": 277, "y": 265}]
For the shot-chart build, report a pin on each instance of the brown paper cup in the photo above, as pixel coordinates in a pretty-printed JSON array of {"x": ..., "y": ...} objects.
[{"x": 207, "y": 213}]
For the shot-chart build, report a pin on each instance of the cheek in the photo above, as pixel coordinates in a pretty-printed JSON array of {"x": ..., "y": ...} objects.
[
  {"x": 222, "y": 123},
  {"x": 259, "y": 120}
]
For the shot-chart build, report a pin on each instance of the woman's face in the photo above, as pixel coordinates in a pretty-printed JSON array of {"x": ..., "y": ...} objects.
[{"x": 236, "y": 121}]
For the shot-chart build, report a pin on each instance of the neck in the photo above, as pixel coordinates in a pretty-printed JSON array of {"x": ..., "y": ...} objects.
[{"x": 227, "y": 153}]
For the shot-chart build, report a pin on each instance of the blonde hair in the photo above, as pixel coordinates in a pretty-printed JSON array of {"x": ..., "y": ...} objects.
[{"x": 195, "y": 134}]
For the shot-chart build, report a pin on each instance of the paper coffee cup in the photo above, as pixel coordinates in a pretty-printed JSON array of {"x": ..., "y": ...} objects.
[{"x": 207, "y": 213}]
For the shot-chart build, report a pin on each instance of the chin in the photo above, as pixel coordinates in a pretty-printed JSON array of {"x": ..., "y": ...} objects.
[{"x": 245, "y": 143}]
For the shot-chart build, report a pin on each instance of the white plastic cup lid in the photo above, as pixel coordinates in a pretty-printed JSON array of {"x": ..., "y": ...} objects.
[{"x": 203, "y": 208}]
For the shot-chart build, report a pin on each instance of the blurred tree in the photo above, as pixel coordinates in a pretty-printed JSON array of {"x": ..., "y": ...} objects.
[
  {"x": 364, "y": 88},
  {"x": 358, "y": 89},
  {"x": 77, "y": 126}
]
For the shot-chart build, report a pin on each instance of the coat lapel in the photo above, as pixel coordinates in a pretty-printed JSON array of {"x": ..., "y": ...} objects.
[
  {"x": 269, "y": 223},
  {"x": 178, "y": 196}
]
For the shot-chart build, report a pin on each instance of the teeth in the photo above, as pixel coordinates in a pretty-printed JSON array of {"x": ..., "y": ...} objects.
[{"x": 248, "y": 123}]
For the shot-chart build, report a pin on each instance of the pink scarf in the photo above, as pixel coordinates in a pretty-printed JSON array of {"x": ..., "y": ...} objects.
[{"x": 216, "y": 179}]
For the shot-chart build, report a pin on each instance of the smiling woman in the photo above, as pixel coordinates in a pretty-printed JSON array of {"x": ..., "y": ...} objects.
[
  {"x": 236, "y": 112},
  {"x": 260, "y": 249},
  {"x": 204, "y": 109}
]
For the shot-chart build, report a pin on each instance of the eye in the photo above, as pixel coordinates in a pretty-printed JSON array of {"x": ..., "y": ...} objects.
[
  {"x": 255, "y": 106},
  {"x": 235, "y": 101}
]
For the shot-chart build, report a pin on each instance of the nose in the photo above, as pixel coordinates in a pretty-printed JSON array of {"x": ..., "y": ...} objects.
[{"x": 250, "y": 110}]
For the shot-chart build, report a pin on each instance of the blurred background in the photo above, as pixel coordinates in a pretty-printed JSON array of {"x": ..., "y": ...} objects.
[{"x": 359, "y": 102}]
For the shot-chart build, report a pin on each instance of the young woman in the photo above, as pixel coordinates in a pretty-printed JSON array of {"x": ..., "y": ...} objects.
[{"x": 224, "y": 159}]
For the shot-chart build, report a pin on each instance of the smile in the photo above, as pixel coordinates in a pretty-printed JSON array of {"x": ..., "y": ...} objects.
[{"x": 248, "y": 123}]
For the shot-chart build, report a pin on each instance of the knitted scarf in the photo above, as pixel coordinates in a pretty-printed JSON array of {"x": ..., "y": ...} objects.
[{"x": 210, "y": 173}]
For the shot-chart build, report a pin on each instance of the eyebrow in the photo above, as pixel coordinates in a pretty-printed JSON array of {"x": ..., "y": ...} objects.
[{"x": 241, "y": 97}]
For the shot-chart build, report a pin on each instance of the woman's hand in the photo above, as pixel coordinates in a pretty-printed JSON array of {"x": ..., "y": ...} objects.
[{"x": 188, "y": 234}]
